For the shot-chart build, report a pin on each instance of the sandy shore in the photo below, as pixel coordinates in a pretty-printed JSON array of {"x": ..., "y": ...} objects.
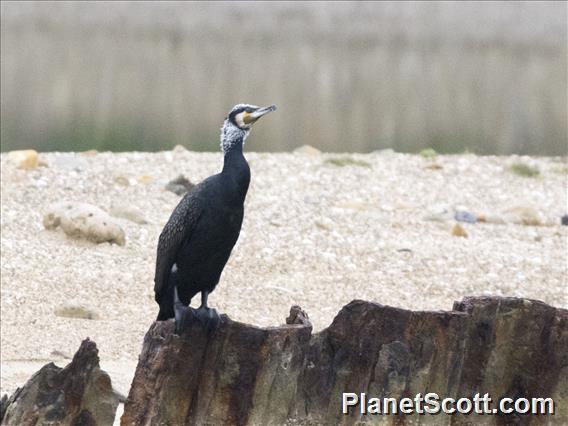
[{"x": 317, "y": 232}]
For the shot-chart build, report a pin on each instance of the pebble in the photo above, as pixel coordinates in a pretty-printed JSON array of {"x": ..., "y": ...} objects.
[
  {"x": 465, "y": 216},
  {"x": 564, "y": 220},
  {"x": 458, "y": 231},
  {"x": 79, "y": 312},
  {"x": 434, "y": 166},
  {"x": 144, "y": 179},
  {"x": 323, "y": 226},
  {"x": 121, "y": 180}
]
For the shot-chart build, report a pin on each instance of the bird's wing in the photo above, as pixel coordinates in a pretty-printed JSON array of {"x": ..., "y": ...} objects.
[{"x": 179, "y": 228}]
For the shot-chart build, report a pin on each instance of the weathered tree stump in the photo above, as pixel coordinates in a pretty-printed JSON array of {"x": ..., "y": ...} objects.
[
  {"x": 79, "y": 394},
  {"x": 239, "y": 374}
]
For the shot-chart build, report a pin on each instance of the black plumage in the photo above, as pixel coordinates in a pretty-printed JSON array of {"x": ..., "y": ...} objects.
[{"x": 197, "y": 240}]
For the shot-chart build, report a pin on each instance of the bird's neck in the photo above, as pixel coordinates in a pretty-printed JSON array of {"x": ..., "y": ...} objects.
[{"x": 237, "y": 170}]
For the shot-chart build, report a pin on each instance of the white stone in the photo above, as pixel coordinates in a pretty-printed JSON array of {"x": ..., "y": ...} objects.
[{"x": 81, "y": 220}]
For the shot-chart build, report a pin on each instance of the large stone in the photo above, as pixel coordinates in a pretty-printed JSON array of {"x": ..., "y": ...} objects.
[
  {"x": 239, "y": 374},
  {"x": 81, "y": 220},
  {"x": 79, "y": 394},
  {"x": 307, "y": 150},
  {"x": 25, "y": 159},
  {"x": 524, "y": 215}
]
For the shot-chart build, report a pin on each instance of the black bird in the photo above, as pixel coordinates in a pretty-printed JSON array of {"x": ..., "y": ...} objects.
[{"x": 196, "y": 243}]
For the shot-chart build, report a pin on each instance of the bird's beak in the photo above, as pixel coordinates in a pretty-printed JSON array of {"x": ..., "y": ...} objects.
[{"x": 253, "y": 116}]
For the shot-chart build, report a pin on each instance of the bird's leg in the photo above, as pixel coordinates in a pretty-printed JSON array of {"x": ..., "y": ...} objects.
[
  {"x": 181, "y": 312},
  {"x": 204, "y": 313},
  {"x": 204, "y": 297},
  {"x": 178, "y": 312}
]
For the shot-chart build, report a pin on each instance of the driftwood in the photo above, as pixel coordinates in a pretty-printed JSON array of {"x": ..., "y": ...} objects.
[
  {"x": 243, "y": 375},
  {"x": 79, "y": 394}
]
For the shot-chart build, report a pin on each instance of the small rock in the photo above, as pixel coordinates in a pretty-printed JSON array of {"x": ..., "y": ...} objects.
[
  {"x": 81, "y": 220},
  {"x": 458, "y": 231},
  {"x": 76, "y": 312},
  {"x": 465, "y": 216},
  {"x": 323, "y": 226},
  {"x": 179, "y": 148},
  {"x": 434, "y": 166},
  {"x": 144, "y": 179},
  {"x": 404, "y": 250},
  {"x": 122, "y": 180},
  {"x": 564, "y": 220},
  {"x": 307, "y": 150},
  {"x": 524, "y": 215},
  {"x": 128, "y": 212},
  {"x": 180, "y": 185},
  {"x": 90, "y": 153},
  {"x": 25, "y": 159}
]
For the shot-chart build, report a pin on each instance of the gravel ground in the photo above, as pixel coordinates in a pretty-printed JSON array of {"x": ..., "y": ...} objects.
[{"x": 315, "y": 233}]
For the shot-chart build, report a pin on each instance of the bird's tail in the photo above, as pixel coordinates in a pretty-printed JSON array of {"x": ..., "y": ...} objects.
[
  {"x": 166, "y": 301},
  {"x": 165, "y": 313}
]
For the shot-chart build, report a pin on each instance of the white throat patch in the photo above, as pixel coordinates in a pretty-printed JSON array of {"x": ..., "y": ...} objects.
[{"x": 231, "y": 135}]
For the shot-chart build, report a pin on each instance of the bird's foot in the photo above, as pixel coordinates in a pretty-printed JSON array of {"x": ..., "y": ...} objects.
[
  {"x": 208, "y": 317},
  {"x": 183, "y": 316}
]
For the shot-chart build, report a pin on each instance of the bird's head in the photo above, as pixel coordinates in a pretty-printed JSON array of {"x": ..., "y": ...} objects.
[
  {"x": 244, "y": 116},
  {"x": 239, "y": 122}
]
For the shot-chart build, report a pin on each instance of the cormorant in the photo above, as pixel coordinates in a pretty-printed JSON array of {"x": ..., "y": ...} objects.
[{"x": 196, "y": 243}]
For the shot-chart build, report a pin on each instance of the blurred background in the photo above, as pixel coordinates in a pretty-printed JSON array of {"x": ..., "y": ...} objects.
[{"x": 485, "y": 77}]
